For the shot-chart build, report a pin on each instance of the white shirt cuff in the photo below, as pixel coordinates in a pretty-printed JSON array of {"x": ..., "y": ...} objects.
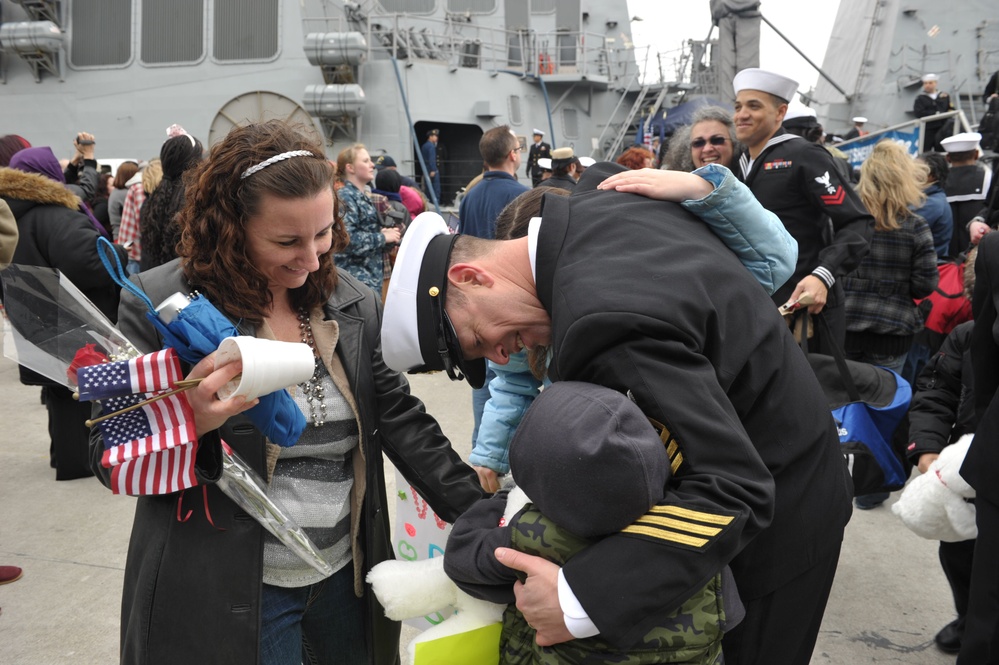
[{"x": 576, "y": 619}]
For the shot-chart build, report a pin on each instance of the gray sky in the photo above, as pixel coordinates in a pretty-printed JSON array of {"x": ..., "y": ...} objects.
[{"x": 667, "y": 23}]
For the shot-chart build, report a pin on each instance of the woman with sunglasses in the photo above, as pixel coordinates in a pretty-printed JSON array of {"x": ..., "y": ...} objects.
[{"x": 709, "y": 139}]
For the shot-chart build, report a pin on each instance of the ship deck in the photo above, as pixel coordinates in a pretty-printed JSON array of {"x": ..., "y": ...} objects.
[{"x": 889, "y": 599}]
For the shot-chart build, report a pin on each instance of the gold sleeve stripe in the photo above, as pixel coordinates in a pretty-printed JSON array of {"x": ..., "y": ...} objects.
[
  {"x": 672, "y": 447},
  {"x": 678, "y": 525},
  {"x": 687, "y": 513},
  {"x": 659, "y": 534}
]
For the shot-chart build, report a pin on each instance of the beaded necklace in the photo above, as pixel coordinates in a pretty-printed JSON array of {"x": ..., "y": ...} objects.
[{"x": 313, "y": 388}]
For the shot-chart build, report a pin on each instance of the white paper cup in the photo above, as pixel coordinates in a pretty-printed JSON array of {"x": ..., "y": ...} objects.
[{"x": 268, "y": 365}]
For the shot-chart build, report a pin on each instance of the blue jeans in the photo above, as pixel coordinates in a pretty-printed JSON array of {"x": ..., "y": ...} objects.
[
  {"x": 326, "y": 616},
  {"x": 915, "y": 361},
  {"x": 479, "y": 398}
]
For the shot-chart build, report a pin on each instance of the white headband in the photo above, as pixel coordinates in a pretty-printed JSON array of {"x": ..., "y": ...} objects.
[{"x": 274, "y": 160}]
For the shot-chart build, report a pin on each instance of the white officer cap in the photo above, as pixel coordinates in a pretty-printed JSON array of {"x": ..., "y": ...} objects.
[
  {"x": 861, "y": 119},
  {"x": 417, "y": 335},
  {"x": 930, "y": 77},
  {"x": 545, "y": 163},
  {"x": 755, "y": 78},
  {"x": 964, "y": 142},
  {"x": 587, "y": 162},
  {"x": 537, "y": 131}
]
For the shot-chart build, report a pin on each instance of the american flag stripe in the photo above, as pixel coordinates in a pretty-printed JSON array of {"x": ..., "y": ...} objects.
[
  {"x": 165, "y": 440},
  {"x": 161, "y": 425},
  {"x": 162, "y": 472},
  {"x": 149, "y": 373}
]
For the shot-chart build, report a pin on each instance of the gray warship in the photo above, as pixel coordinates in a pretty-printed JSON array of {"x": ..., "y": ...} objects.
[
  {"x": 384, "y": 72},
  {"x": 379, "y": 72}
]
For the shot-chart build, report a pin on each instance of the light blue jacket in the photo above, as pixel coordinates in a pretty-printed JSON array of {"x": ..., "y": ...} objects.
[{"x": 752, "y": 232}]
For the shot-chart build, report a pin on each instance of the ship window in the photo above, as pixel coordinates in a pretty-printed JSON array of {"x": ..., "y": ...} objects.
[
  {"x": 570, "y": 123},
  {"x": 516, "y": 116},
  {"x": 172, "y": 32},
  {"x": 103, "y": 30},
  {"x": 245, "y": 29},
  {"x": 408, "y": 6},
  {"x": 542, "y": 6},
  {"x": 471, "y": 6}
]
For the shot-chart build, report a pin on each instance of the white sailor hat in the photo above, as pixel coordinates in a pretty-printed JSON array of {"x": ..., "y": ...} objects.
[
  {"x": 417, "y": 334},
  {"x": 538, "y": 132},
  {"x": 860, "y": 119},
  {"x": 755, "y": 78},
  {"x": 799, "y": 111},
  {"x": 929, "y": 77},
  {"x": 964, "y": 142},
  {"x": 587, "y": 162},
  {"x": 545, "y": 163}
]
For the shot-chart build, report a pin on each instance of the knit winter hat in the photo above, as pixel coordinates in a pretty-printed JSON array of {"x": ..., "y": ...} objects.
[{"x": 588, "y": 458}]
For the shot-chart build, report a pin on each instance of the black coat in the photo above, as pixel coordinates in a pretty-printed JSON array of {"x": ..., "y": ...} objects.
[
  {"x": 54, "y": 233},
  {"x": 942, "y": 408},
  {"x": 982, "y": 461},
  {"x": 684, "y": 327},
  {"x": 192, "y": 591}
]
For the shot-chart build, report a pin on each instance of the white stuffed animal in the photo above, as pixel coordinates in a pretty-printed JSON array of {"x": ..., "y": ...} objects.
[
  {"x": 933, "y": 504},
  {"x": 411, "y": 589}
]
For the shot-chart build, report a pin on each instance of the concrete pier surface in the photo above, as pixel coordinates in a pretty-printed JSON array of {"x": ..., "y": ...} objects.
[{"x": 889, "y": 600}]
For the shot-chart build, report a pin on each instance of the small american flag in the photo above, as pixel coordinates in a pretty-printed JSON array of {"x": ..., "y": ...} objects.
[
  {"x": 162, "y": 472},
  {"x": 151, "y": 449},
  {"x": 153, "y": 427},
  {"x": 146, "y": 374}
]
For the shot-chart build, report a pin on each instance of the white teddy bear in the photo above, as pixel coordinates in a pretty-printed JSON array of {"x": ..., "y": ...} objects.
[
  {"x": 933, "y": 504},
  {"x": 411, "y": 589}
]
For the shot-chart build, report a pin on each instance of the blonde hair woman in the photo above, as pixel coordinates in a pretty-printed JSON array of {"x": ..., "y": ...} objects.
[
  {"x": 881, "y": 318},
  {"x": 363, "y": 257}
]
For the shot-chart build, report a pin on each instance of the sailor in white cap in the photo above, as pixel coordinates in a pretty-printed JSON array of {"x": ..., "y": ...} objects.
[
  {"x": 625, "y": 291},
  {"x": 858, "y": 128},
  {"x": 967, "y": 188},
  {"x": 565, "y": 169},
  {"x": 930, "y": 102},
  {"x": 799, "y": 181},
  {"x": 539, "y": 150}
]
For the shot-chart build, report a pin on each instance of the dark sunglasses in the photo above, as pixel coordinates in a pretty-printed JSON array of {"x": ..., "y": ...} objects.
[{"x": 714, "y": 140}]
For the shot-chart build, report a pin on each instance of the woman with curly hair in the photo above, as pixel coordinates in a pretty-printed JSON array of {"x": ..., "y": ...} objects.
[
  {"x": 158, "y": 225},
  {"x": 259, "y": 228},
  {"x": 709, "y": 139}
]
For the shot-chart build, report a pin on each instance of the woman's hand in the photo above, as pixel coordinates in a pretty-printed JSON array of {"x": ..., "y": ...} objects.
[
  {"x": 210, "y": 412},
  {"x": 661, "y": 185}
]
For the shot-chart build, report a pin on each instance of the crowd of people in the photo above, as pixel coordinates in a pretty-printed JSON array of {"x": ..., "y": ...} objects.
[{"x": 617, "y": 303}]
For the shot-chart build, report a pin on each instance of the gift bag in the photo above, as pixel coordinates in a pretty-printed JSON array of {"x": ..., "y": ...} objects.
[{"x": 869, "y": 405}]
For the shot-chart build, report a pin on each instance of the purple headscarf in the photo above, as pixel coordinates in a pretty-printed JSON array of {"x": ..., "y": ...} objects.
[
  {"x": 43, "y": 162},
  {"x": 38, "y": 160}
]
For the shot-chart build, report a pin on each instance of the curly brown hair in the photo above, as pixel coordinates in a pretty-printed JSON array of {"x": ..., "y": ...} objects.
[{"x": 219, "y": 202}]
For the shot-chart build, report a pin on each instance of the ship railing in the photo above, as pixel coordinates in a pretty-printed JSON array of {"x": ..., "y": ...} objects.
[
  {"x": 911, "y": 134},
  {"x": 457, "y": 43}
]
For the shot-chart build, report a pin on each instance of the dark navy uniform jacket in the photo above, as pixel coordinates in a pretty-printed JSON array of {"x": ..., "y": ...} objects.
[
  {"x": 644, "y": 298},
  {"x": 797, "y": 180}
]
